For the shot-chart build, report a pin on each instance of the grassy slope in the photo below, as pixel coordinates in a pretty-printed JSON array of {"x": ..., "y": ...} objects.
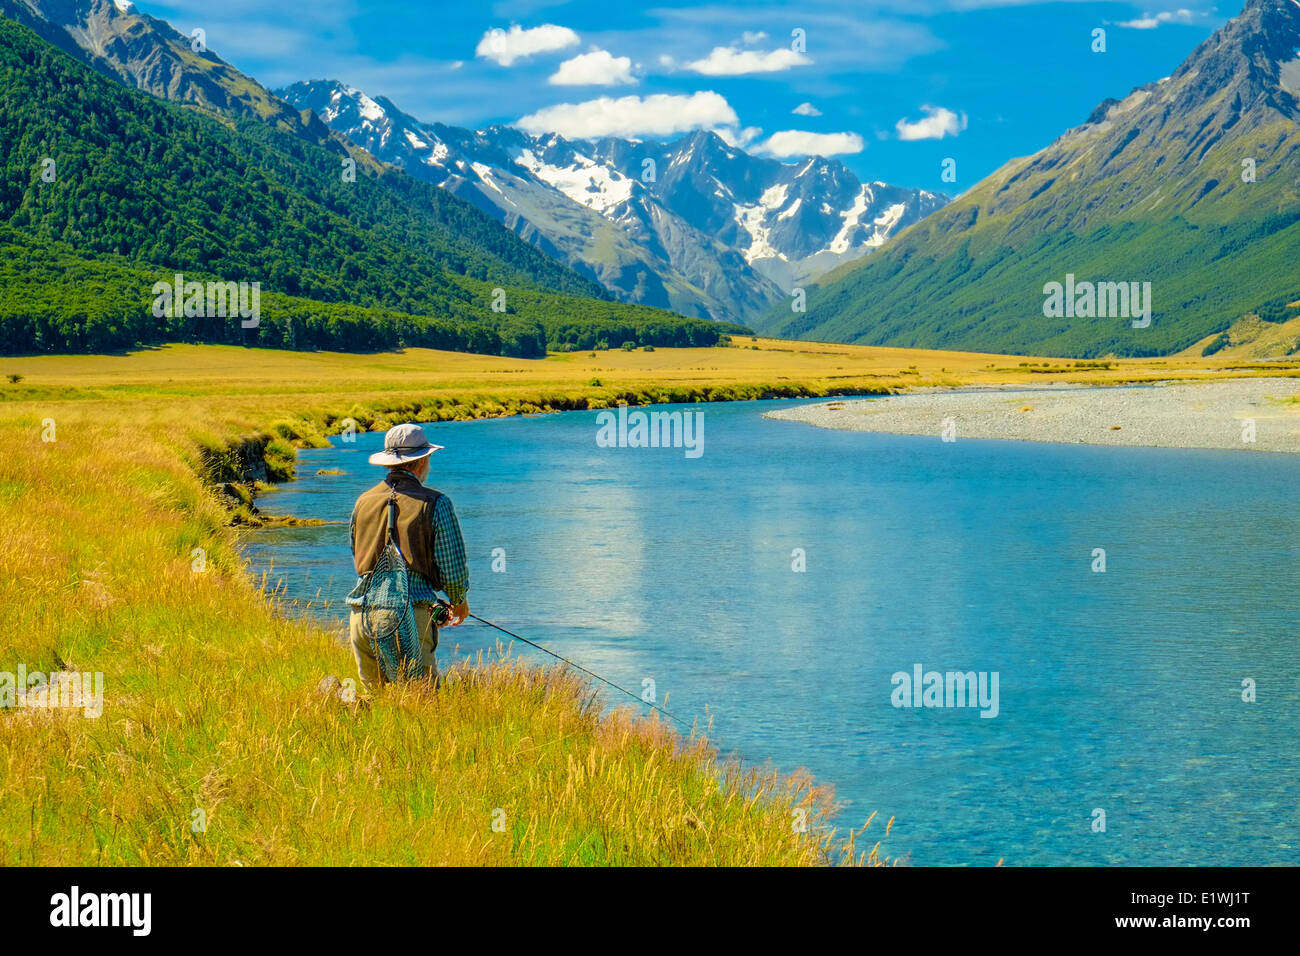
[
  {"x": 1151, "y": 191},
  {"x": 210, "y": 698},
  {"x": 1252, "y": 338},
  {"x": 210, "y": 706}
]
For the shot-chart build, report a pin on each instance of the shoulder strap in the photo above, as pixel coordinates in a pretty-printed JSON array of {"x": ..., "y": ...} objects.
[{"x": 392, "y": 518}]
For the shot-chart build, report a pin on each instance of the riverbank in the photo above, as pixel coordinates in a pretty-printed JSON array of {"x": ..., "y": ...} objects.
[
  {"x": 212, "y": 744},
  {"x": 1252, "y": 414}
]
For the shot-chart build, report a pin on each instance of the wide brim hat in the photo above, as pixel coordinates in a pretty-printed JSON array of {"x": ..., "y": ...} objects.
[{"x": 402, "y": 444}]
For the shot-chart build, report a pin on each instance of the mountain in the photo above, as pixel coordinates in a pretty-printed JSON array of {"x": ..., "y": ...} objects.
[
  {"x": 125, "y": 189},
  {"x": 707, "y": 229},
  {"x": 147, "y": 54},
  {"x": 790, "y": 221},
  {"x": 479, "y": 168},
  {"x": 1191, "y": 183}
]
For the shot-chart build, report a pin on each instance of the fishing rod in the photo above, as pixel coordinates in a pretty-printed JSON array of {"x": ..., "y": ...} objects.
[{"x": 519, "y": 637}]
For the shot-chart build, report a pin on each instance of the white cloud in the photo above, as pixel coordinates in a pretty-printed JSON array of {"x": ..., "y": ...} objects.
[
  {"x": 597, "y": 68},
  {"x": 793, "y": 142},
  {"x": 729, "y": 61},
  {"x": 1149, "y": 21},
  {"x": 936, "y": 124},
  {"x": 659, "y": 115},
  {"x": 739, "y": 138},
  {"x": 749, "y": 39},
  {"x": 806, "y": 109},
  {"x": 507, "y": 46}
]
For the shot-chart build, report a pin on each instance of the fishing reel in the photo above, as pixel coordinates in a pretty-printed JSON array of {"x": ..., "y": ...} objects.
[{"x": 441, "y": 612}]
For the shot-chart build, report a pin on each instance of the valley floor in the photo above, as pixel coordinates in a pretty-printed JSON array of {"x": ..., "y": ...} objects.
[
  {"x": 213, "y": 746},
  {"x": 1253, "y": 414}
]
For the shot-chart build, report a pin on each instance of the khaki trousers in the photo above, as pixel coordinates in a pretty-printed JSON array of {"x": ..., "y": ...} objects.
[{"x": 372, "y": 676}]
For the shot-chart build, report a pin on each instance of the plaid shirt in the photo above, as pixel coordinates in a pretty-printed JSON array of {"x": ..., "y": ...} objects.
[{"x": 448, "y": 551}]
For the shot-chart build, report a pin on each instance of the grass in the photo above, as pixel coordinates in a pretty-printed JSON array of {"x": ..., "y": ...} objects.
[{"x": 214, "y": 747}]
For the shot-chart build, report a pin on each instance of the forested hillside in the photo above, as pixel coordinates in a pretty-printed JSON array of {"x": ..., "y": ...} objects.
[{"x": 106, "y": 191}]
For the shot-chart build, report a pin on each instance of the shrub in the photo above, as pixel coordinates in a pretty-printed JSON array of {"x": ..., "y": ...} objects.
[
  {"x": 279, "y": 456},
  {"x": 1220, "y": 341}
]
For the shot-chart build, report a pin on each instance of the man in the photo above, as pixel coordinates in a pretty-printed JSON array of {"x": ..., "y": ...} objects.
[{"x": 428, "y": 535}]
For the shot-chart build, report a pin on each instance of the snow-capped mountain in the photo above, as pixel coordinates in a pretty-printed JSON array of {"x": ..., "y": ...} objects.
[
  {"x": 790, "y": 221},
  {"x": 694, "y": 225}
]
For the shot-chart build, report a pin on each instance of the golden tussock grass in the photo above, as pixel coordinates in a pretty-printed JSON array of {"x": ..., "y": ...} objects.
[{"x": 215, "y": 748}]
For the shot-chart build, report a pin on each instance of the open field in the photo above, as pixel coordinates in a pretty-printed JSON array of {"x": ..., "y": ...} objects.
[
  {"x": 226, "y": 370},
  {"x": 116, "y": 557}
]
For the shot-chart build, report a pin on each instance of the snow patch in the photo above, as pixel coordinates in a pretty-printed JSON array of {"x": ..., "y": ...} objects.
[
  {"x": 370, "y": 109},
  {"x": 773, "y": 197},
  {"x": 440, "y": 152},
  {"x": 852, "y": 217},
  {"x": 585, "y": 182},
  {"x": 888, "y": 219},
  {"x": 485, "y": 176},
  {"x": 753, "y": 218},
  {"x": 750, "y": 218}
]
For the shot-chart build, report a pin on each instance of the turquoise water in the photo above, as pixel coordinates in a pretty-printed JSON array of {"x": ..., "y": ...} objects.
[{"x": 1119, "y": 691}]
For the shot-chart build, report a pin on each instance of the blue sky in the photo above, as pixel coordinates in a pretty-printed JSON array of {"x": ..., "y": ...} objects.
[{"x": 893, "y": 87}]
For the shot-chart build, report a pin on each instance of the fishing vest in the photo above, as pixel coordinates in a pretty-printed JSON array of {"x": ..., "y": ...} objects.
[{"x": 414, "y": 536}]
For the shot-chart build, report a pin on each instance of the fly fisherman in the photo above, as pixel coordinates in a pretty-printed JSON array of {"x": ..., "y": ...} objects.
[{"x": 427, "y": 535}]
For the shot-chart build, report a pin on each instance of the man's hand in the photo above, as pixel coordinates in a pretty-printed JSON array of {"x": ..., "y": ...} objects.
[{"x": 458, "y": 613}]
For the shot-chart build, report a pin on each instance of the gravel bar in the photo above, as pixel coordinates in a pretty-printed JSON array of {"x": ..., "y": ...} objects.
[{"x": 1167, "y": 414}]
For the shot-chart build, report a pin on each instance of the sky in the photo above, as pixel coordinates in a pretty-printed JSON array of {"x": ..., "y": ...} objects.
[{"x": 892, "y": 88}]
